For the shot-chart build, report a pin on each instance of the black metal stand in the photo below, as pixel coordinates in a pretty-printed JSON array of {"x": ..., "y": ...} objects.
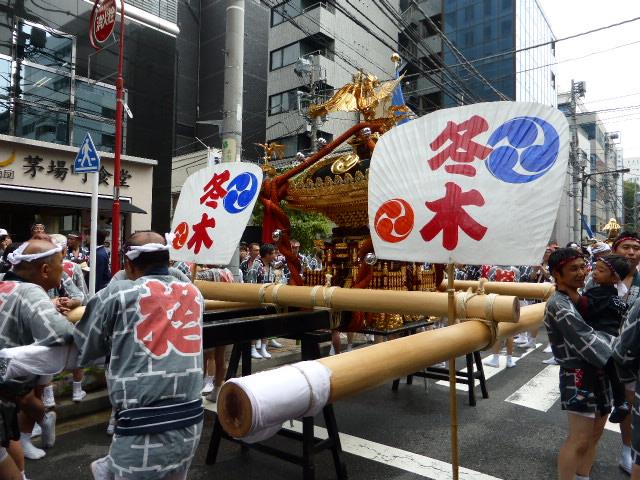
[
  {"x": 438, "y": 373},
  {"x": 467, "y": 378},
  {"x": 310, "y": 347}
]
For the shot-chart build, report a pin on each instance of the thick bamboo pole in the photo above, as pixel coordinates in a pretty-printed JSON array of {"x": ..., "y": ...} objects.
[
  {"x": 362, "y": 369},
  {"x": 504, "y": 308},
  {"x": 539, "y": 291},
  {"x": 75, "y": 315}
]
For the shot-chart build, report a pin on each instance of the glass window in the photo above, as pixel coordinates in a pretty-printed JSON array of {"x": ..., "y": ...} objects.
[
  {"x": 5, "y": 78},
  {"x": 283, "y": 102},
  {"x": 42, "y": 124},
  {"x": 285, "y": 11},
  {"x": 45, "y": 88},
  {"x": 5, "y": 34},
  {"x": 44, "y": 47},
  {"x": 487, "y": 7},
  {"x": 95, "y": 99},
  {"x": 468, "y": 13},
  {"x": 276, "y": 59},
  {"x": 285, "y": 56},
  {"x": 102, "y": 132},
  {"x": 505, "y": 27}
]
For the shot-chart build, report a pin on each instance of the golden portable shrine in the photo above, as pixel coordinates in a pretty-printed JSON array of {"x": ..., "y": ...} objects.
[{"x": 335, "y": 184}]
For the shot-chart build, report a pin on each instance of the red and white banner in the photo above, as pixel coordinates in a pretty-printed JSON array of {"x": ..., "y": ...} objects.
[
  {"x": 213, "y": 210},
  {"x": 478, "y": 184}
]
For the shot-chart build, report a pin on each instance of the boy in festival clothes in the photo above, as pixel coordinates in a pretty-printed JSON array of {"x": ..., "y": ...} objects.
[
  {"x": 604, "y": 310},
  {"x": 151, "y": 326},
  {"x": 581, "y": 353}
]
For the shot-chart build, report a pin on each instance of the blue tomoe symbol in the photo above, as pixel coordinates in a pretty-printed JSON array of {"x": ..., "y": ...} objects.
[
  {"x": 240, "y": 192},
  {"x": 525, "y": 158}
]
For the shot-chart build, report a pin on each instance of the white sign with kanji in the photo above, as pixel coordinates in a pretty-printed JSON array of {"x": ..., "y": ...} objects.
[
  {"x": 213, "y": 210},
  {"x": 478, "y": 184}
]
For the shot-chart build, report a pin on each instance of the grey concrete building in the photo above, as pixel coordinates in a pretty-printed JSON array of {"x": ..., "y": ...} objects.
[
  {"x": 200, "y": 75},
  {"x": 333, "y": 47}
]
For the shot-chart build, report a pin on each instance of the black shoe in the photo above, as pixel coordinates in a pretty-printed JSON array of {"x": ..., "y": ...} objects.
[{"x": 619, "y": 413}]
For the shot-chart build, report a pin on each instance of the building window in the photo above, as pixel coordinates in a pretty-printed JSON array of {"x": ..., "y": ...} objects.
[
  {"x": 283, "y": 102},
  {"x": 553, "y": 80},
  {"x": 285, "y": 56},
  {"x": 44, "y": 47}
]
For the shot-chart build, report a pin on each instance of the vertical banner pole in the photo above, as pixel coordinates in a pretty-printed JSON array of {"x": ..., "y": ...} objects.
[
  {"x": 453, "y": 398},
  {"x": 95, "y": 181}
]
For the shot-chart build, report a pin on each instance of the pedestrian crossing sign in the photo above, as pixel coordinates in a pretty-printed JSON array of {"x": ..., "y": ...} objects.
[{"x": 87, "y": 159}]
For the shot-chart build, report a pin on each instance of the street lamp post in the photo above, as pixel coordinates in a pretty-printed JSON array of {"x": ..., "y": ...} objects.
[{"x": 585, "y": 178}]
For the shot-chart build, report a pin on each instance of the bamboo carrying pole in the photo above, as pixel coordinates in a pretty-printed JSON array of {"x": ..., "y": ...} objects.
[
  {"x": 538, "y": 291},
  {"x": 365, "y": 368},
  {"x": 503, "y": 309},
  {"x": 75, "y": 315}
]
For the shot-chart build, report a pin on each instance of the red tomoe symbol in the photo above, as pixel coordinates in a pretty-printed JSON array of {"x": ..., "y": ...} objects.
[
  {"x": 182, "y": 234},
  {"x": 394, "y": 220}
]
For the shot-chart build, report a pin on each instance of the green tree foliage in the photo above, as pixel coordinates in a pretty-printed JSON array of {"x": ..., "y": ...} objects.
[{"x": 305, "y": 226}]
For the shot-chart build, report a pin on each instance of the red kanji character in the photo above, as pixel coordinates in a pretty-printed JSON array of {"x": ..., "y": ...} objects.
[
  {"x": 450, "y": 215},
  {"x": 6, "y": 289},
  {"x": 214, "y": 189},
  {"x": 171, "y": 316},
  {"x": 200, "y": 235},
  {"x": 67, "y": 267},
  {"x": 461, "y": 147}
]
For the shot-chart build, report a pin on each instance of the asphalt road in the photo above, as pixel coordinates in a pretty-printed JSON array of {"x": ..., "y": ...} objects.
[{"x": 514, "y": 434}]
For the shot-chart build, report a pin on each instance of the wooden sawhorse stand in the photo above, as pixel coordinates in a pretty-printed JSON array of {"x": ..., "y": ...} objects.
[{"x": 310, "y": 349}]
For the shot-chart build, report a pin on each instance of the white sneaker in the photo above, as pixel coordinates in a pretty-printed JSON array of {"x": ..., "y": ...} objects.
[
  {"x": 258, "y": 344},
  {"x": 47, "y": 397},
  {"x": 100, "y": 470},
  {"x": 78, "y": 392},
  {"x": 264, "y": 353},
  {"x": 48, "y": 425},
  {"x": 530, "y": 344},
  {"x": 550, "y": 361},
  {"x": 275, "y": 344},
  {"x": 37, "y": 431},
  {"x": 547, "y": 348},
  {"x": 30, "y": 450},
  {"x": 510, "y": 362},
  {"x": 212, "y": 396},
  {"x": 520, "y": 339},
  {"x": 625, "y": 463},
  {"x": 255, "y": 354},
  {"x": 332, "y": 351},
  {"x": 208, "y": 385},
  {"x": 494, "y": 362}
]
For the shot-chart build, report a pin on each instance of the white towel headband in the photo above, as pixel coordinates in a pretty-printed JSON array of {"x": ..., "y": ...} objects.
[
  {"x": 18, "y": 256},
  {"x": 135, "y": 250}
]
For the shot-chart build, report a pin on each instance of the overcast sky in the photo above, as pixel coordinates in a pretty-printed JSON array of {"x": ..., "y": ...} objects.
[{"x": 611, "y": 63}]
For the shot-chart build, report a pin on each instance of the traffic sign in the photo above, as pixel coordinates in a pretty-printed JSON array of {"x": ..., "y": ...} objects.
[
  {"x": 87, "y": 159},
  {"x": 102, "y": 21}
]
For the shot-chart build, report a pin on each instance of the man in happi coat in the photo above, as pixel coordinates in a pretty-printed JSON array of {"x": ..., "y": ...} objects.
[
  {"x": 27, "y": 316},
  {"x": 151, "y": 326}
]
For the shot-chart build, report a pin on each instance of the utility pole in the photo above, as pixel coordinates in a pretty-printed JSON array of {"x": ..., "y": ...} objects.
[
  {"x": 233, "y": 85},
  {"x": 577, "y": 91}
]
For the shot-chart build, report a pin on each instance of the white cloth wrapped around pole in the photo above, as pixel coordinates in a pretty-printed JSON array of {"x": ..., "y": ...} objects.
[
  {"x": 34, "y": 359},
  {"x": 298, "y": 390}
]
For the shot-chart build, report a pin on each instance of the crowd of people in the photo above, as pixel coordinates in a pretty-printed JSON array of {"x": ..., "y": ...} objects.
[{"x": 144, "y": 325}]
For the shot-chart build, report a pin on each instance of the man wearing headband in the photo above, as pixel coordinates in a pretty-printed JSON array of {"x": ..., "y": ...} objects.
[
  {"x": 151, "y": 326},
  {"x": 27, "y": 316},
  {"x": 581, "y": 353}
]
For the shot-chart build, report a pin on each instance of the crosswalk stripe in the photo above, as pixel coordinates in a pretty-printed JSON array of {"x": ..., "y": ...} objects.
[
  {"x": 539, "y": 393},
  {"x": 427, "y": 467},
  {"x": 488, "y": 370}
]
